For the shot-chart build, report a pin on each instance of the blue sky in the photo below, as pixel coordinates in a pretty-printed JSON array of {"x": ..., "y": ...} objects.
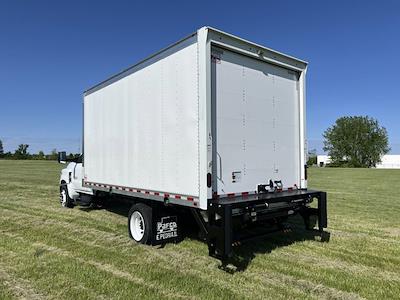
[{"x": 51, "y": 51}]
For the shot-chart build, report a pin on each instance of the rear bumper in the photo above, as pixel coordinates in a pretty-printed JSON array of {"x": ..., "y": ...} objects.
[{"x": 223, "y": 212}]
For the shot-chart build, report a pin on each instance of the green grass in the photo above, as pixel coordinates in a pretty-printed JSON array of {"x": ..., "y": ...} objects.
[{"x": 50, "y": 252}]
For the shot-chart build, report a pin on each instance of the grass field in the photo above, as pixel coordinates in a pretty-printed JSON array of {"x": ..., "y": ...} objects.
[{"x": 50, "y": 252}]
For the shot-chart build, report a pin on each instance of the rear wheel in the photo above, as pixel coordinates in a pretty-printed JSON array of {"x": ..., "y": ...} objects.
[
  {"x": 65, "y": 200},
  {"x": 140, "y": 223}
]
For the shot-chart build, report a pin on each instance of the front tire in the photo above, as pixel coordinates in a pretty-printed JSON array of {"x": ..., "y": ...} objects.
[
  {"x": 65, "y": 200},
  {"x": 140, "y": 223}
]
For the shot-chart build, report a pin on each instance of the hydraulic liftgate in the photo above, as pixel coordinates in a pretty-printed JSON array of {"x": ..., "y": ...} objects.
[{"x": 262, "y": 206}]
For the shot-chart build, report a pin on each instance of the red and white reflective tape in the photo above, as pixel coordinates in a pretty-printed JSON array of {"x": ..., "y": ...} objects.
[
  {"x": 231, "y": 195},
  {"x": 146, "y": 192}
]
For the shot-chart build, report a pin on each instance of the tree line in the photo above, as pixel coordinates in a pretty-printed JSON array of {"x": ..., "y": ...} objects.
[
  {"x": 354, "y": 141},
  {"x": 22, "y": 153}
]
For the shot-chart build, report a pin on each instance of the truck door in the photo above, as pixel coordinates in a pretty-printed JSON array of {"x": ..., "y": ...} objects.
[
  {"x": 255, "y": 123},
  {"x": 77, "y": 176}
]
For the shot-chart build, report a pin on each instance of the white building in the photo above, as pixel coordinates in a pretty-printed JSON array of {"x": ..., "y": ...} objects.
[
  {"x": 388, "y": 161},
  {"x": 323, "y": 160}
]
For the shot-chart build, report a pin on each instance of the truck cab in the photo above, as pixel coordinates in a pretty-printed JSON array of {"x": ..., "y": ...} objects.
[{"x": 71, "y": 189}]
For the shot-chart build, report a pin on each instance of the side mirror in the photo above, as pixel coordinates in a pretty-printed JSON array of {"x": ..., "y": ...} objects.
[{"x": 62, "y": 157}]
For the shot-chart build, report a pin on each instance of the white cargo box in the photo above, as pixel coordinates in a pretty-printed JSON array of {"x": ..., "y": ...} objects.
[{"x": 212, "y": 115}]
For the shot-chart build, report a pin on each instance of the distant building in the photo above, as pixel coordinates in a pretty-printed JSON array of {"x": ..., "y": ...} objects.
[
  {"x": 323, "y": 160},
  {"x": 388, "y": 161}
]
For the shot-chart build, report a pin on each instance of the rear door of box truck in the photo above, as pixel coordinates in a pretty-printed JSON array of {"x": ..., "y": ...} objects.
[{"x": 255, "y": 123}]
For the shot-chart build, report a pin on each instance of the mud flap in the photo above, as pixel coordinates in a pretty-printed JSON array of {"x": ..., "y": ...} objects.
[{"x": 165, "y": 229}]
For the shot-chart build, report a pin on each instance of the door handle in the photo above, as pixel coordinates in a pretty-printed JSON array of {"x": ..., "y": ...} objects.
[{"x": 220, "y": 167}]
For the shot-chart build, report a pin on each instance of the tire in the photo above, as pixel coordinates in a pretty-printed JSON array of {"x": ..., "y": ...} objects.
[
  {"x": 140, "y": 223},
  {"x": 65, "y": 200}
]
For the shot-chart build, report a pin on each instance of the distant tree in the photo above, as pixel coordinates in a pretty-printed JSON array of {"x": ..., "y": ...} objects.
[
  {"x": 22, "y": 152},
  {"x": 1, "y": 149},
  {"x": 38, "y": 156},
  {"x": 356, "y": 141},
  {"x": 8, "y": 155},
  {"x": 73, "y": 156},
  {"x": 41, "y": 154},
  {"x": 53, "y": 155},
  {"x": 312, "y": 157},
  {"x": 312, "y": 152}
]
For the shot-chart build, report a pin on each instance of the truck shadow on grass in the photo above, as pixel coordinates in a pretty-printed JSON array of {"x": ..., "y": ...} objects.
[
  {"x": 245, "y": 252},
  {"x": 116, "y": 206}
]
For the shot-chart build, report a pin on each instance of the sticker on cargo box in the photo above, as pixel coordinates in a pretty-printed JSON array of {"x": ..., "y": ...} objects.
[{"x": 236, "y": 176}]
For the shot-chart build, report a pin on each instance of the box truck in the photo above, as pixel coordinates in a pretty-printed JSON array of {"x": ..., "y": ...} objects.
[{"x": 211, "y": 127}]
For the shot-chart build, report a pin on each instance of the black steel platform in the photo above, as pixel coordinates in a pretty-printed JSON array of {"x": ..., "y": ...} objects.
[{"x": 261, "y": 206}]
